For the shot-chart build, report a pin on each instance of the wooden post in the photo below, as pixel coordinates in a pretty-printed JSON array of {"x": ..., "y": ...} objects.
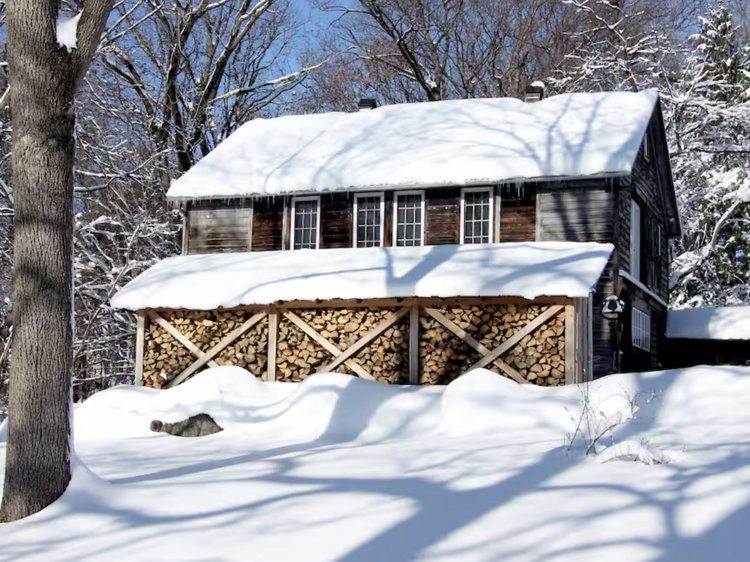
[
  {"x": 414, "y": 344},
  {"x": 140, "y": 337},
  {"x": 273, "y": 335},
  {"x": 571, "y": 344}
]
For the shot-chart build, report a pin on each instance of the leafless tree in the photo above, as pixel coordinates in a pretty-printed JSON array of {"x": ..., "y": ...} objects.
[{"x": 44, "y": 79}]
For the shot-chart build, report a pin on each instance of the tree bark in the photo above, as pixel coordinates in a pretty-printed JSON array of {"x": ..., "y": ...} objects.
[{"x": 44, "y": 78}]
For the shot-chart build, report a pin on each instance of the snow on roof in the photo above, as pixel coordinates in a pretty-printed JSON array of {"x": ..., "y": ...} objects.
[
  {"x": 529, "y": 270},
  {"x": 706, "y": 323},
  {"x": 458, "y": 142}
]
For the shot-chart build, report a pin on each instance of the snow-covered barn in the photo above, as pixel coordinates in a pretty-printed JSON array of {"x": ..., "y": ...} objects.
[{"x": 412, "y": 243}]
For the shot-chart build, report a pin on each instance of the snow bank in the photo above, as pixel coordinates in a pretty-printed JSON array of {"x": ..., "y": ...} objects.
[
  {"x": 458, "y": 142},
  {"x": 528, "y": 270},
  {"x": 706, "y": 323},
  {"x": 338, "y": 468},
  {"x": 66, "y": 29}
]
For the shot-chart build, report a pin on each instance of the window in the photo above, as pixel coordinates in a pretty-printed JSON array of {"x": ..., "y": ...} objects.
[
  {"x": 305, "y": 222},
  {"x": 647, "y": 146},
  {"x": 641, "y": 330},
  {"x": 368, "y": 220},
  {"x": 635, "y": 240},
  {"x": 476, "y": 215},
  {"x": 409, "y": 218}
]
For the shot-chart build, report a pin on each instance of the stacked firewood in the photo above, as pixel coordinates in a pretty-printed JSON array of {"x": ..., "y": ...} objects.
[
  {"x": 538, "y": 357},
  {"x": 165, "y": 357},
  {"x": 384, "y": 358}
]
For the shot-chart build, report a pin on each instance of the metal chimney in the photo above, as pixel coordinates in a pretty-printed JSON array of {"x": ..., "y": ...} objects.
[
  {"x": 366, "y": 104},
  {"x": 534, "y": 92}
]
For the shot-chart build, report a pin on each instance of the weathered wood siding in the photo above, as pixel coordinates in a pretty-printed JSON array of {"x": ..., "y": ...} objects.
[
  {"x": 517, "y": 213},
  {"x": 268, "y": 224},
  {"x": 336, "y": 222},
  {"x": 585, "y": 212},
  {"x": 576, "y": 212},
  {"x": 213, "y": 228},
  {"x": 442, "y": 216},
  {"x": 646, "y": 188}
]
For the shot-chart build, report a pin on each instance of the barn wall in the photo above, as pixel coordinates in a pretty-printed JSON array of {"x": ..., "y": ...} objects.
[
  {"x": 681, "y": 353},
  {"x": 539, "y": 357}
]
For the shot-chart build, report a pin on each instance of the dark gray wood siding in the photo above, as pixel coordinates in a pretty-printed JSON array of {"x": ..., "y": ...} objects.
[
  {"x": 576, "y": 213},
  {"x": 585, "y": 212},
  {"x": 213, "y": 229}
]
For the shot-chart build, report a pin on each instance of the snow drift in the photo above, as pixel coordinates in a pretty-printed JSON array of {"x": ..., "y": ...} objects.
[{"x": 338, "y": 468}]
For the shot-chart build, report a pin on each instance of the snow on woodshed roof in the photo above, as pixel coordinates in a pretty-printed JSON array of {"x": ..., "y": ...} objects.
[
  {"x": 458, "y": 142},
  {"x": 707, "y": 323},
  {"x": 528, "y": 269}
]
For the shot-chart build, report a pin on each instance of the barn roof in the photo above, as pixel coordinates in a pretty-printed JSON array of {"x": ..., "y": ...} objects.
[
  {"x": 447, "y": 143},
  {"x": 527, "y": 269},
  {"x": 708, "y": 323}
]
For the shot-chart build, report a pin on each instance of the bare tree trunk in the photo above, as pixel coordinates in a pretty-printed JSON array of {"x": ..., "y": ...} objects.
[{"x": 44, "y": 78}]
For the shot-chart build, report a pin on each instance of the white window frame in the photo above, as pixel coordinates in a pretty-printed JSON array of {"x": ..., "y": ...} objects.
[
  {"x": 358, "y": 196},
  {"x": 488, "y": 190},
  {"x": 396, "y": 195},
  {"x": 636, "y": 235},
  {"x": 295, "y": 200},
  {"x": 641, "y": 329}
]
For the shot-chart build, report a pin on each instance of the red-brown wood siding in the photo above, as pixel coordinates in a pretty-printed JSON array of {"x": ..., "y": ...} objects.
[
  {"x": 442, "y": 215},
  {"x": 517, "y": 214},
  {"x": 267, "y": 224},
  {"x": 336, "y": 220}
]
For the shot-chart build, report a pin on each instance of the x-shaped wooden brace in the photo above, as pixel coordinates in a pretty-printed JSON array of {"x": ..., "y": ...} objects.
[
  {"x": 494, "y": 355},
  {"x": 203, "y": 357},
  {"x": 346, "y": 356}
]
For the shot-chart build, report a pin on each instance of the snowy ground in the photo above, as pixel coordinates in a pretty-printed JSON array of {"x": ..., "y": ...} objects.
[{"x": 339, "y": 468}]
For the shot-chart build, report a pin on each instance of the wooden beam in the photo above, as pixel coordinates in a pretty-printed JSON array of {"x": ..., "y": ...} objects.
[
  {"x": 570, "y": 345},
  {"x": 452, "y": 302},
  {"x": 140, "y": 340},
  {"x": 218, "y": 348},
  {"x": 326, "y": 344},
  {"x": 465, "y": 336},
  {"x": 414, "y": 344},
  {"x": 364, "y": 341},
  {"x": 176, "y": 334},
  {"x": 529, "y": 328},
  {"x": 273, "y": 340}
]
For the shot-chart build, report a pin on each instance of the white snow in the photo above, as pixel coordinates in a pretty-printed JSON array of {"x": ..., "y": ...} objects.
[
  {"x": 67, "y": 28},
  {"x": 528, "y": 270},
  {"x": 708, "y": 323},
  {"x": 458, "y": 142},
  {"x": 339, "y": 468}
]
